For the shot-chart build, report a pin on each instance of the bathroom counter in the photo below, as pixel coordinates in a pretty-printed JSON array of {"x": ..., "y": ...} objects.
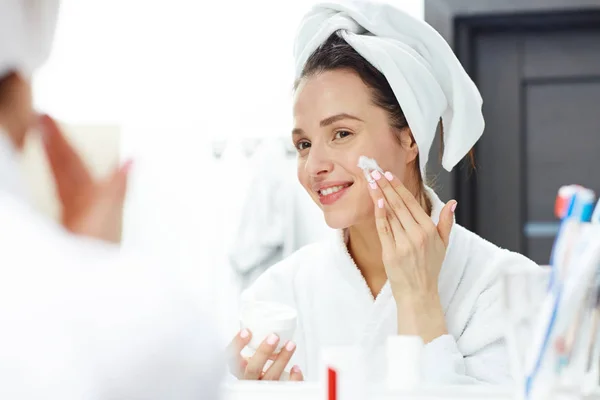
[{"x": 311, "y": 391}]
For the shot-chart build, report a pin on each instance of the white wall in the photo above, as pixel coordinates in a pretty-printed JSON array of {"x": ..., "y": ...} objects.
[{"x": 84, "y": 80}]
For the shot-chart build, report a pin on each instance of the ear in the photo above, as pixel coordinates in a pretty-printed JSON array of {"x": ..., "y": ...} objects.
[{"x": 409, "y": 145}]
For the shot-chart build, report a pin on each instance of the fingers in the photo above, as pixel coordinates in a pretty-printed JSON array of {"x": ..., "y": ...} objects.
[
  {"x": 411, "y": 203},
  {"x": 393, "y": 222},
  {"x": 237, "y": 364},
  {"x": 388, "y": 226},
  {"x": 118, "y": 182},
  {"x": 384, "y": 229},
  {"x": 67, "y": 167},
  {"x": 446, "y": 221},
  {"x": 283, "y": 358},
  {"x": 252, "y": 369},
  {"x": 396, "y": 203},
  {"x": 257, "y": 362},
  {"x": 296, "y": 375},
  {"x": 240, "y": 368},
  {"x": 240, "y": 341}
]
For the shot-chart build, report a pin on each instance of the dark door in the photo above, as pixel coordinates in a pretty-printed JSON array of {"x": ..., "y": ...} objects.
[{"x": 541, "y": 94}]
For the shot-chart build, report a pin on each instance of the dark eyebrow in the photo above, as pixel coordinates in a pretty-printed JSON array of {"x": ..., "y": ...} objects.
[
  {"x": 338, "y": 117},
  {"x": 329, "y": 121}
]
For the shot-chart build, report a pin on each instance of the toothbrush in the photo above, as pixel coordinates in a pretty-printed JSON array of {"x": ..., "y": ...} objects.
[
  {"x": 595, "y": 218},
  {"x": 582, "y": 207},
  {"x": 580, "y": 301},
  {"x": 563, "y": 208},
  {"x": 594, "y": 348},
  {"x": 560, "y": 255}
]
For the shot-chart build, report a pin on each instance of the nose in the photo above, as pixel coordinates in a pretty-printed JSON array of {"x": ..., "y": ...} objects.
[{"x": 318, "y": 162}]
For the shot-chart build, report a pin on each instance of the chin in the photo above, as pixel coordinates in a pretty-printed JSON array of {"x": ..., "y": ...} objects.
[
  {"x": 335, "y": 222},
  {"x": 347, "y": 212},
  {"x": 341, "y": 218}
]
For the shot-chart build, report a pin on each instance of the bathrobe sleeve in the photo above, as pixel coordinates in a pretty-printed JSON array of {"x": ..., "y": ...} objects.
[{"x": 478, "y": 354}]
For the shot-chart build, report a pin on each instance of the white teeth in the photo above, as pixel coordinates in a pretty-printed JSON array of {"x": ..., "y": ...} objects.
[{"x": 331, "y": 190}]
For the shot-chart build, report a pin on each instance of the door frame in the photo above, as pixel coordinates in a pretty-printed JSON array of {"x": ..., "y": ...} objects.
[{"x": 459, "y": 22}]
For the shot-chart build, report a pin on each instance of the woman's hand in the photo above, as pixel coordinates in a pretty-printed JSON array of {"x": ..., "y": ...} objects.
[
  {"x": 252, "y": 368},
  {"x": 89, "y": 207},
  {"x": 413, "y": 250}
]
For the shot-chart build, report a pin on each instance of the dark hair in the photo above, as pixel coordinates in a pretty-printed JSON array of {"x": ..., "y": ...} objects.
[
  {"x": 334, "y": 54},
  {"x": 6, "y": 87}
]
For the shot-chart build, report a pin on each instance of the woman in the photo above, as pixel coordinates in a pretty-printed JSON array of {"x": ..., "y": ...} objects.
[
  {"x": 80, "y": 318},
  {"x": 375, "y": 82}
]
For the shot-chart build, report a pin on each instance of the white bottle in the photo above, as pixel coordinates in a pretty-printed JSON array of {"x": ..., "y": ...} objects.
[
  {"x": 404, "y": 355},
  {"x": 342, "y": 373}
]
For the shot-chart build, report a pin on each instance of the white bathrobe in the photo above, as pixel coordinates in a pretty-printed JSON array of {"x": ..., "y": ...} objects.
[
  {"x": 336, "y": 307},
  {"x": 79, "y": 319}
]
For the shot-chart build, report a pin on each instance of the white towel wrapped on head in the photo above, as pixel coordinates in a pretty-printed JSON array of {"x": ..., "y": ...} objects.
[
  {"x": 26, "y": 34},
  {"x": 421, "y": 68}
]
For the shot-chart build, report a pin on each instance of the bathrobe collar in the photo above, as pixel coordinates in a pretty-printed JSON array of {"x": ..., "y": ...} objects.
[
  {"x": 447, "y": 281},
  {"x": 11, "y": 179}
]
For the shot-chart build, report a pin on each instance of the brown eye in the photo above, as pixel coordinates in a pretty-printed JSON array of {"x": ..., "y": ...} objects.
[
  {"x": 302, "y": 145},
  {"x": 342, "y": 134}
]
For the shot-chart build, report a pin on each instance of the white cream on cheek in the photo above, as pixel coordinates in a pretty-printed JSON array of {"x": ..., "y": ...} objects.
[{"x": 368, "y": 165}]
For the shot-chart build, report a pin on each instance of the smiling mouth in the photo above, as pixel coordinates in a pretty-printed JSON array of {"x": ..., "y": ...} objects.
[{"x": 333, "y": 189}]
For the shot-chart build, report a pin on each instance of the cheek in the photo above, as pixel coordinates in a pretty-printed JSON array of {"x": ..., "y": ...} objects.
[
  {"x": 391, "y": 157},
  {"x": 302, "y": 175},
  {"x": 347, "y": 160}
]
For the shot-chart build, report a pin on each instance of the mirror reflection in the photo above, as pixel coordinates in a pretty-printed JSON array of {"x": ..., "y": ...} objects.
[{"x": 391, "y": 208}]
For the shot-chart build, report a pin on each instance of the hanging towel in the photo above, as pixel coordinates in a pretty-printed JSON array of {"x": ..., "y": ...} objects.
[{"x": 278, "y": 216}]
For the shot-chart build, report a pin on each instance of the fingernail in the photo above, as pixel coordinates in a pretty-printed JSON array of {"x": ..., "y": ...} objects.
[
  {"x": 376, "y": 175},
  {"x": 244, "y": 334},
  {"x": 380, "y": 203},
  {"x": 127, "y": 166},
  {"x": 453, "y": 207},
  {"x": 389, "y": 176},
  {"x": 373, "y": 185},
  {"x": 272, "y": 339},
  {"x": 290, "y": 346},
  {"x": 296, "y": 369}
]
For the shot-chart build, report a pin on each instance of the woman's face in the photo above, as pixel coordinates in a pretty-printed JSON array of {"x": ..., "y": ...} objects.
[
  {"x": 16, "y": 110},
  {"x": 335, "y": 122}
]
